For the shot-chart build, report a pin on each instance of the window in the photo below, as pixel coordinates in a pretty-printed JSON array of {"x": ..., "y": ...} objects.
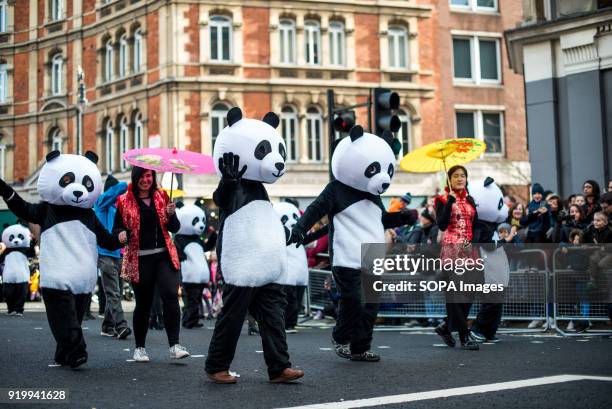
[
  {"x": 56, "y": 140},
  {"x": 138, "y": 132},
  {"x": 3, "y": 15},
  {"x": 287, "y": 42},
  {"x": 123, "y": 142},
  {"x": 137, "y": 58},
  {"x": 337, "y": 44},
  {"x": 57, "y": 64},
  {"x": 474, "y": 5},
  {"x": 486, "y": 126},
  {"x": 109, "y": 147},
  {"x": 2, "y": 157},
  {"x": 476, "y": 60},
  {"x": 312, "y": 35},
  {"x": 123, "y": 56},
  {"x": 289, "y": 129},
  {"x": 108, "y": 61},
  {"x": 398, "y": 47},
  {"x": 3, "y": 82},
  {"x": 220, "y": 39},
  {"x": 404, "y": 134},
  {"x": 314, "y": 125},
  {"x": 57, "y": 10},
  {"x": 218, "y": 121}
]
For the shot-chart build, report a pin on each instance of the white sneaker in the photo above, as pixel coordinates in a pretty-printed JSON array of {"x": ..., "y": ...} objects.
[
  {"x": 535, "y": 324},
  {"x": 140, "y": 355},
  {"x": 178, "y": 352}
]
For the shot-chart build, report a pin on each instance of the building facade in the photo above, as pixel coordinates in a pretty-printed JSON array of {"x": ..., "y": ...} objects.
[
  {"x": 564, "y": 51},
  {"x": 164, "y": 73}
]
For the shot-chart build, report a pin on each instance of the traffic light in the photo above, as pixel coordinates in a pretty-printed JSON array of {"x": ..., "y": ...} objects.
[
  {"x": 386, "y": 103},
  {"x": 344, "y": 121}
]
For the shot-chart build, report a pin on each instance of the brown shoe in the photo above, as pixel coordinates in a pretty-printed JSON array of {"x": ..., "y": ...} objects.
[
  {"x": 288, "y": 375},
  {"x": 222, "y": 377}
]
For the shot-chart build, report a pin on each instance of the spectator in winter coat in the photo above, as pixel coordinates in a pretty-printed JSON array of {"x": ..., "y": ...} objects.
[
  {"x": 537, "y": 218},
  {"x": 591, "y": 191}
]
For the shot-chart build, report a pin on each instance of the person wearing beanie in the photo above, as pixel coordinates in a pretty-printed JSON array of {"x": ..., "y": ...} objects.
[
  {"x": 114, "y": 324},
  {"x": 538, "y": 216},
  {"x": 591, "y": 191}
]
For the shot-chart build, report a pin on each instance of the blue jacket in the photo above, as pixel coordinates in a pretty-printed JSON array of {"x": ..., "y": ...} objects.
[
  {"x": 537, "y": 225},
  {"x": 106, "y": 209}
]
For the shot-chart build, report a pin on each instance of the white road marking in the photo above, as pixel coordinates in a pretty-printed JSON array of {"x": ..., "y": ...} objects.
[
  {"x": 197, "y": 356},
  {"x": 441, "y": 345},
  {"x": 37, "y": 327},
  {"x": 259, "y": 352},
  {"x": 445, "y": 393},
  {"x": 126, "y": 349},
  {"x": 54, "y": 365},
  {"x": 325, "y": 349},
  {"x": 384, "y": 347},
  {"x": 537, "y": 342},
  {"x": 130, "y": 360}
]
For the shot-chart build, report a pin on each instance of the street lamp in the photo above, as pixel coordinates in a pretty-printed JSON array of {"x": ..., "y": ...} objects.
[{"x": 80, "y": 107}]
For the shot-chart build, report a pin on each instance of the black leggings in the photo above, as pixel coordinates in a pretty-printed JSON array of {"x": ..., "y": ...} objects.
[{"x": 156, "y": 270}]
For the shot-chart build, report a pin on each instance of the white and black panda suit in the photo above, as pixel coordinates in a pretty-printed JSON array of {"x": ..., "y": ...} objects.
[
  {"x": 195, "y": 271},
  {"x": 16, "y": 272},
  {"x": 251, "y": 244},
  {"x": 363, "y": 165},
  {"x": 68, "y": 186}
]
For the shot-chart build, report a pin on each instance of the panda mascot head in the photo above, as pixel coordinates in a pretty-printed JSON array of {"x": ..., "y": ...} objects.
[
  {"x": 365, "y": 161},
  {"x": 16, "y": 236},
  {"x": 489, "y": 201},
  {"x": 192, "y": 219},
  {"x": 260, "y": 147},
  {"x": 288, "y": 214},
  {"x": 71, "y": 180}
]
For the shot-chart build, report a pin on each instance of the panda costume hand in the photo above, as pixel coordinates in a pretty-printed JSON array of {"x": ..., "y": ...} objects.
[
  {"x": 296, "y": 236},
  {"x": 228, "y": 165}
]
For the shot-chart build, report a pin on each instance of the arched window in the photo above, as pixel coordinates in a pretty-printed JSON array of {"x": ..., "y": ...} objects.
[
  {"x": 109, "y": 147},
  {"x": 220, "y": 39},
  {"x": 337, "y": 44},
  {"x": 123, "y": 143},
  {"x": 287, "y": 41},
  {"x": 289, "y": 129},
  {"x": 123, "y": 56},
  {"x": 138, "y": 132},
  {"x": 218, "y": 120},
  {"x": 137, "y": 57},
  {"x": 404, "y": 134},
  {"x": 3, "y": 15},
  {"x": 56, "y": 141},
  {"x": 57, "y": 67},
  {"x": 314, "y": 127},
  {"x": 312, "y": 36},
  {"x": 108, "y": 61},
  {"x": 398, "y": 47},
  {"x": 56, "y": 10},
  {"x": 3, "y": 81},
  {"x": 2, "y": 157}
]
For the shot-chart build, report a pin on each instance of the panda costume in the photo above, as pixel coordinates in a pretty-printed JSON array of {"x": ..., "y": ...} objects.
[
  {"x": 251, "y": 245},
  {"x": 16, "y": 273},
  {"x": 492, "y": 211},
  {"x": 68, "y": 186},
  {"x": 363, "y": 165},
  {"x": 194, "y": 267}
]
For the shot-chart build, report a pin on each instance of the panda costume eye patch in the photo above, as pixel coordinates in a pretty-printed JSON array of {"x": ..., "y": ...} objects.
[
  {"x": 281, "y": 150},
  {"x": 372, "y": 169},
  {"x": 20, "y": 236},
  {"x": 284, "y": 219},
  {"x": 11, "y": 237},
  {"x": 262, "y": 149},
  {"x": 67, "y": 179},
  {"x": 195, "y": 221},
  {"x": 88, "y": 183},
  {"x": 391, "y": 170}
]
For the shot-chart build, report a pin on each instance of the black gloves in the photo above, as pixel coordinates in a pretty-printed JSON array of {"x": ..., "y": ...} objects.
[
  {"x": 5, "y": 190},
  {"x": 297, "y": 236},
  {"x": 409, "y": 216},
  {"x": 228, "y": 166}
]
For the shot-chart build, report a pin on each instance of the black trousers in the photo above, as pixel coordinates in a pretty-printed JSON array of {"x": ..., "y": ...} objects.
[
  {"x": 457, "y": 318},
  {"x": 267, "y": 304},
  {"x": 355, "y": 322},
  {"x": 15, "y": 295},
  {"x": 65, "y": 313},
  {"x": 155, "y": 271},
  {"x": 192, "y": 298},
  {"x": 488, "y": 319}
]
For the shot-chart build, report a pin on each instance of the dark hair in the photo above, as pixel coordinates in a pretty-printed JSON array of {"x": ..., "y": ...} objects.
[
  {"x": 576, "y": 232},
  {"x": 606, "y": 198},
  {"x": 596, "y": 189},
  {"x": 454, "y": 169},
  {"x": 137, "y": 173},
  {"x": 513, "y": 208},
  {"x": 580, "y": 210}
]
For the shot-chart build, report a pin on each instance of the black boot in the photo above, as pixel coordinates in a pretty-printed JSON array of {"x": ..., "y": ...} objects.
[{"x": 444, "y": 333}]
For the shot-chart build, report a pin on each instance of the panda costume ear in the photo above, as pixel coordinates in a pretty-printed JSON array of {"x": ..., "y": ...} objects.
[
  {"x": 271, "y": 119},
  {"x": 356, "y": 132},
  {"x": 52, "y": 155},
  {"x": 91, "y": 156},
  {"x": 179, "y": 205},
  {"x": 488, "y": 181},
  {"x": 234, "y": 115}
]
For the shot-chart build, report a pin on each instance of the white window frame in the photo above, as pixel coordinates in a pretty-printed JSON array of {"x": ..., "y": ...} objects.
[
  {"x": 473, "y": 6},
  {"x": 109, "y": 145},
  {"x": 220, "y": 22},
  {"x": 137, "y": 57},
  {"x": 287, "y": 38},
  {"x": 479, "y": 128},
  {"x": 3, "y": 16},
  {"x": 337, "y": 44},
  {"x": 57, "y": 142},
  {"x": 138, "y": 132},
  {"x": 57, "y": 69},
  {"x": 220, "y": 116},
  {"x": 123, "y": 56},
  {"x": 312, "y": 121},
  {"x": 396, "y": 33},
  {"x": 404, "y": 118},
  {"x": 2, "y": 160},
  {"x": 57, "y": 10},
  {"x": 475, "y": 59},
  {"x": 3, "y": 83},
  {"x": 312, "y": 39},
  {"x": 108, "y": 61},
  {"x": 124, "y": 143},
  {"x": 290, "y": 139}
]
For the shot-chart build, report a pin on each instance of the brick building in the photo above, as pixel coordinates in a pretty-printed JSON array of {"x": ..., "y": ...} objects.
[{"x": 166, "y": 72}]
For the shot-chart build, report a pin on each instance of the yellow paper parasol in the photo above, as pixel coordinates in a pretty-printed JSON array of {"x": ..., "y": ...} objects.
[
  {"x": 441, "y": 155},
  {"x": 174, "y": 193}
]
